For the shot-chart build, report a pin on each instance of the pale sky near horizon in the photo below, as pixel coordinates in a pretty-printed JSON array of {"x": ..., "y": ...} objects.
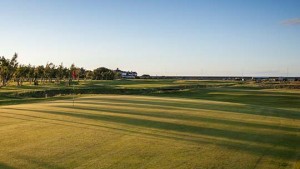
[{"x": 156, "y": 37}]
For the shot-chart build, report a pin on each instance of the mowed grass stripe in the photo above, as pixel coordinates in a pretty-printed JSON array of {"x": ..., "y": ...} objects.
[
  {"x": 252, "y": 114},
  {"x": 172, "y": 114},
  {"x": 148, "y": 134},
  {"x": 171, "y": 126},
  {"x": 198, "y": 116},
  {"x": 137, "y": 116},
  {"x": 136, "y": 119},
  {"x": 144, "y": 122},
  {"x": 209, "y": 105}
]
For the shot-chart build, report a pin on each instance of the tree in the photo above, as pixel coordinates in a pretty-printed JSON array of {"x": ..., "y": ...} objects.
[
  {"x": 20, "y": 74},
  {"x": 60, "y": 72},
  {"x": 103, "y": 73},
  {"x": 66, "y": 73},
  {"x": 82, "y": 73},
  {"x": 10, "y": 69},
  {"x": 30, "y": 73},
  {"x": 76, "y": 71},
  {"x": 89, "y": 74},
  {"x": 145, "y": 76},
  {"x": 49, "y": 71},
  {"x": 7, "y": 68},
  {"x": 39, "y": 73}
]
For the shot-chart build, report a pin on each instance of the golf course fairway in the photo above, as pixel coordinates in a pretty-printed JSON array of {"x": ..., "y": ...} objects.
[{"x": 122, "y": 131}]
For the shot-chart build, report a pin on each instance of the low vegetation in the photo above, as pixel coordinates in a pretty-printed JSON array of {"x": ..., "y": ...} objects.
[{"x": 149, "y": 124}]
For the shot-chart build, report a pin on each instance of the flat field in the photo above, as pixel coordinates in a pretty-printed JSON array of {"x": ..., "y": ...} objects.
[{"x": 155, "y": 124}]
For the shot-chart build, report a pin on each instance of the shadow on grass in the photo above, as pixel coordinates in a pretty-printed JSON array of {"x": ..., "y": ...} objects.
[
  {"x": 164, "y": 114},
  {"x": 78, "y": 124},
  {"x": 37, "y": 162},
  {"x": 287, "y": 142},
  {"x": 38, "y": 119},
  {"x": 255, "y": 98},
  {"x": 5, "y": 166},
  {"x": 31, "y": 100},
  {"x": 245, "y": 109}
]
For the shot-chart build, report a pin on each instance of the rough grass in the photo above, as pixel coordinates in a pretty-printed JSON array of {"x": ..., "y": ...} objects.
[
  {"x": 194, "y": 128},
  {"x": 27, "y": 93}
]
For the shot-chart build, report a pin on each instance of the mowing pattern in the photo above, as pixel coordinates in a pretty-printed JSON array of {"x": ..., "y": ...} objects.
[{"x": 113, "y": 131}]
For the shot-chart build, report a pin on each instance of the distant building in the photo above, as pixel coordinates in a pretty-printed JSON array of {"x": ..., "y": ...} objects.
[
  {"x": 290, "y": 79},
  {"x": 259, "y": 79},
  {"x": 126, "y": 74}
]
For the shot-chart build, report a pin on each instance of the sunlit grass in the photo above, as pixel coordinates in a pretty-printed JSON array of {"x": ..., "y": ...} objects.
[
  {"x": 150, "y": 124},
  {"x": 119, "y": 131}
]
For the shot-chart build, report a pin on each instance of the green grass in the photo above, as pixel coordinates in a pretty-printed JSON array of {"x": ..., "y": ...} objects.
[
  {"x": 201, "y": 124},
  {"x": 21, "y": 94}
]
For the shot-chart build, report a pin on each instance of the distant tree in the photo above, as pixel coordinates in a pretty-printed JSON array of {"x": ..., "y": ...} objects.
[
  {"x": 103, "y": 73},
  {"x": 82, "y": 73},
  {"x": 53, "y": 72},
  {"x": 66, "y": 73},
  {"x": 24, "y": 73},
  {"x": 30, "y": 73},
  {"x": 145, "y": 76},
  {"x": 40, "y": 73},
  {"x": 49, "y": 71},
  {"x": 10, "y": 70},
  {"x": 60, "y": 72},
  {"x": 21, "y": 74},
  {"x": 89, "y": 74},
  {"x": 7, "y": 68},
  {"x": 117, "y": 75},
  {"x": 73, "y": 72}
]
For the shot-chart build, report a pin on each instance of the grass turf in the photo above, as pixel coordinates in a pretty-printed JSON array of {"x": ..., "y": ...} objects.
[
  {"x": 200, "y": 124},
  {"x": 194, "y": 128}
]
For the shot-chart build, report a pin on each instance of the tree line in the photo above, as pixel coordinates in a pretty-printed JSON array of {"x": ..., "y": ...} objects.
[{"x": 12, "y": 71}]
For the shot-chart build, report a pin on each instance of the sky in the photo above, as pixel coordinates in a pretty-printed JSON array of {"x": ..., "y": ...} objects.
[{"x": 156, "y": 37}]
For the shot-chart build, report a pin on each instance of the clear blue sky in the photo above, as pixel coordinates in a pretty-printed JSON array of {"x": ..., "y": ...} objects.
[{"x": 157, "y": 37}]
